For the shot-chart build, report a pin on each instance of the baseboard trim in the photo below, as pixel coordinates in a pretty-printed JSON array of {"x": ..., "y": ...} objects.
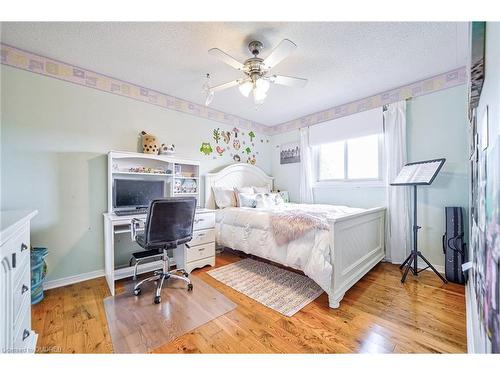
[{"x": 57, "y": 283}]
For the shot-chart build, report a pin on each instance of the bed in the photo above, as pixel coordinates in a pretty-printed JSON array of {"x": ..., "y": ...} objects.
[{"x": 335, "y": 258}]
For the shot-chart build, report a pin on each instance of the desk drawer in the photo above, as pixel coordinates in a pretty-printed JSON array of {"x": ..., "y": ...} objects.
[
  {"x": 200, "y": 252},
  {"x": 202, "y": 236},
  {"x": 204, "y": 221}
]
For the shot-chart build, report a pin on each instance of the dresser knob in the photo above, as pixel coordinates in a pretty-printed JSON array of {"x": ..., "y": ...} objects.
[
  {"x": 24, "y": 247},
  {"x": 24, "y": 289},
  {"x": 26, "y": 334}
]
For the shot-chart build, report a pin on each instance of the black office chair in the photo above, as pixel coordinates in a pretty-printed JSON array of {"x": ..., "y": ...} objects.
[{"x": 169, "y": 223}]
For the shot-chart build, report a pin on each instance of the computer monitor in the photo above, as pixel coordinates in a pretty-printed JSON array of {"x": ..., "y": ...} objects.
[{"x": 133, "y": 193}]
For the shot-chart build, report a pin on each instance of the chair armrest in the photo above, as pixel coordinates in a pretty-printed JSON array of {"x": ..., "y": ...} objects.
[{"x": 135, "y": 225}]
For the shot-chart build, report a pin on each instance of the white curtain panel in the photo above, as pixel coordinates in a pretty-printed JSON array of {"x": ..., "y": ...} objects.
[
  {"x": 398, "y": 211},
  {"x": 306, "y": 165}
]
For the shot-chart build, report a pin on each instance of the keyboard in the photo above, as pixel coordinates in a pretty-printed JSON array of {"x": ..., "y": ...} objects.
[{"x": 136, "y": 211}]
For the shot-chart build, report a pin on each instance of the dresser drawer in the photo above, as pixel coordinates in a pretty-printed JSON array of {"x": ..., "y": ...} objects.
[
  {"x": 204, "y": 221},
  {"x": 20, "y": 247},
  {"x": 202, "y": 236},
  {"x": 22, "y": 329},
  {"x": 22, "y": 290},
  {"x": 200, "y": 252}
]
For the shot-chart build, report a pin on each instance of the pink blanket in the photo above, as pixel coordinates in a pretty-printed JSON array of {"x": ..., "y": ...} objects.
[{"x": 290, "y": 225}]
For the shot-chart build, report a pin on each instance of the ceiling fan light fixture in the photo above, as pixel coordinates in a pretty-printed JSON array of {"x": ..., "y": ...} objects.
[
  {"x": 262, "y": 85},
  {"x": 259, "y": 96},
  {"x": 245, "y": 88}
]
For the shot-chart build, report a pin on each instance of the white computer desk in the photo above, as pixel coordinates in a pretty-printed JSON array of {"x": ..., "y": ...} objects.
[{"x": 200, "y": 253}]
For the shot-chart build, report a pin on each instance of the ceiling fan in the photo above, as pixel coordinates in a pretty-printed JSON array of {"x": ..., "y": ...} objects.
[{"x": 257, "y": 71}]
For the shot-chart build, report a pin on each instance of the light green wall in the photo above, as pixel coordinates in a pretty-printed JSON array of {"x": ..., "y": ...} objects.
[
  {"x": 436, "y": 127},
  {"x": 55, "y": 136}
]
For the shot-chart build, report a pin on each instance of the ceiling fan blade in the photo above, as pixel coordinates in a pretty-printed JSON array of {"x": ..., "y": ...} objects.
[
  {"x": 224, "y": 57},
  {"x": 288, "y": 81},
  {"x": 282, "y": 50},
  {"x": 225, "y": 85}
]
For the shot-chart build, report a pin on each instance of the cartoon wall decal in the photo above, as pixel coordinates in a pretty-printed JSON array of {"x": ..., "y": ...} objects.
[
  {"x": 206, "y": 148},
  {"x": 226, "y": 136},
  {"x": 216, "y": 135},
  {"x": 236, "y": 144},
  {"x": 223, "y": 145},
  {"x": 220, "y": 150}
]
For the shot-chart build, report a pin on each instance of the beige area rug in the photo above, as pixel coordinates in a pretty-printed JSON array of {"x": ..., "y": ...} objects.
[
  {"x": 284, "y": 291},
  {"x": 137, "y": 325}
]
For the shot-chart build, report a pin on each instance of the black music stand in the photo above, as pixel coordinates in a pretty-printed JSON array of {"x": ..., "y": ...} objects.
[{"x": 414, "y": 174}]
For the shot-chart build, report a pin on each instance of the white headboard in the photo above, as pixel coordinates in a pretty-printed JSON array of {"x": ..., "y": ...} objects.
[{"x": 235, "y": 175}]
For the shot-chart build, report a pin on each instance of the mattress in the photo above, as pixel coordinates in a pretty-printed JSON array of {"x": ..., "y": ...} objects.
[{"x": 249, "y": 230}]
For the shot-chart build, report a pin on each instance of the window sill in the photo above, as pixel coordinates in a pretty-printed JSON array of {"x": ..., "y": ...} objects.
[{"x": 349, "y": 184}]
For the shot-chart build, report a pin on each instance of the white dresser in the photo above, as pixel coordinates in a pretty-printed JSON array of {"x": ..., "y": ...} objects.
[
  {"x": 16, "y": 335},
  {"x": 201, "y": 251}
]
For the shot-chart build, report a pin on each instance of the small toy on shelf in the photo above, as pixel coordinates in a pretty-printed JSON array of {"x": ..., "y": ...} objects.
[
  {"x": 149, "y": 143},
  {"x": 167, "y": 149},
  {"x": 177, "y": 186},
  {"x": 189, "y": 186},
  {"x": 146, "y": 170}
]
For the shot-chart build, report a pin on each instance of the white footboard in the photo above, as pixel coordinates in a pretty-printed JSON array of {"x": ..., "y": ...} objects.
[{"x": 358, "y": 245}]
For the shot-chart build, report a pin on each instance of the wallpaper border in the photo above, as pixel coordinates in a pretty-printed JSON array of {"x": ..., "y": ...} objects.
[
  {"x": 436, "y": 83},
  {"x": 35, "y": 63}
]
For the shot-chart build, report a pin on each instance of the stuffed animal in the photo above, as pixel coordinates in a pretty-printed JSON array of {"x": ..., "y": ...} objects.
[
  {"x": 167, "y": 149},
  {"x": 150, "y": 144}
]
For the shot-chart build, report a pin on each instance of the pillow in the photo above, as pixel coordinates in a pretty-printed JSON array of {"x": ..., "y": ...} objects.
[
  {"x": 247, "y": 200},
  {"x": 224, "y": 197},
  {"x": 243, "y": 190},
  {"x": 268, "y": 200},
  {"x": 261, "y": 189}
]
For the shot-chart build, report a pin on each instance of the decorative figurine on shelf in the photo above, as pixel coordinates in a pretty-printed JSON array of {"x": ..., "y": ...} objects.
[
  {"x": 166, "y": 149},
  {"x": 150, "y": 143},
  {"x": 177, "y": 186}
]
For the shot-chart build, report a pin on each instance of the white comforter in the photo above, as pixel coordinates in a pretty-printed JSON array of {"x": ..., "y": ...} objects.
[{"x": 249, "y": 230}]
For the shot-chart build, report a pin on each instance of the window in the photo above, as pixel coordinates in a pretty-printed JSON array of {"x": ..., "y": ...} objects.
[{"x": 352, "y": 160}]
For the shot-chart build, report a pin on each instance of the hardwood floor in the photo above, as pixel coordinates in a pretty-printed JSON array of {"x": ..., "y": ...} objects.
[{"x": 377, "y": 315}]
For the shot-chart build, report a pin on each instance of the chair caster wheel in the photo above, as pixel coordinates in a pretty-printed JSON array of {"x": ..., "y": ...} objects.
[
  {"x": 190, "y": 287},
  {"x": 137, "y": 291},
  {"x": 157, "y": 300}
]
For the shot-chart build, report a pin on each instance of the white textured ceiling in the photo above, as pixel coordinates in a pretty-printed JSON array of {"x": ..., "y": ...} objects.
[{"x": 343, "y": 61}]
